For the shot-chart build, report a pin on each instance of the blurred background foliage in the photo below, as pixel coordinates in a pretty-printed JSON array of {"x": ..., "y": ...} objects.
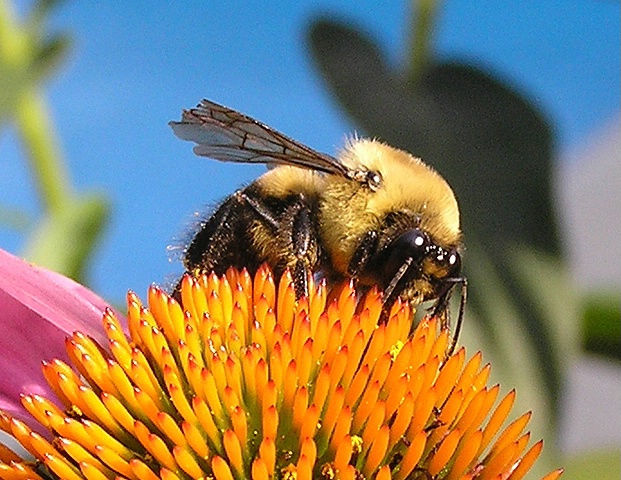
[
  {"x": 495, "y": 149},
  {"x": 491, "y": 143},
  {"x": 29, "y": 56}
]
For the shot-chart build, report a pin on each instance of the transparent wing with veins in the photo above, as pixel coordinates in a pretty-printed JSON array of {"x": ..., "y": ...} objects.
[{"x": 227, "y": 135}]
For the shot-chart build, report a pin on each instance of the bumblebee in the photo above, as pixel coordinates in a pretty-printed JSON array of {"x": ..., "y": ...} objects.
[{"x": 373, "y": 212}]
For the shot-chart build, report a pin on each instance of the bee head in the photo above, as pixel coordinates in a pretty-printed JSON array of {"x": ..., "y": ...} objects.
[{"x": 413, "y": 259}]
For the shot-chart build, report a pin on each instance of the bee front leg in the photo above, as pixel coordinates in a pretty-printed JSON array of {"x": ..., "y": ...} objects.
[
  {"x": 365, "y": 250},
  {"x": 265, "y": 214}
]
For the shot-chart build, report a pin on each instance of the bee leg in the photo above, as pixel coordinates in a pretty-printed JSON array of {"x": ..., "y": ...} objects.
[
  {"x": 460, "y": 317},
  {"x": 365, "y": 250},
  {"x": 263, "y": 212},
  {"x": 365, "y": 253},
  {"x": 304, "y": 247},
  {"x": 441, "y": 309}
]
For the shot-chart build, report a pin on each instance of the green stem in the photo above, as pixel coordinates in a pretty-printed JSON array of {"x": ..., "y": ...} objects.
[
  {"x": 12, "y": 44},
  {"x": 32, "y": 117},
  {"x": 423, "y": 16},
  {"x": 40, "y": 142}
]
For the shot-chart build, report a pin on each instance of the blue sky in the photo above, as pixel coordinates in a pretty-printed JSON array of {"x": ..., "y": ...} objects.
[{"x": 135, "y": 65}]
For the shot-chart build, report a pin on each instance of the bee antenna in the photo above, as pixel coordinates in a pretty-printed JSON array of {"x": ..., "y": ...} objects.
[{"x": 397, "y": 277}]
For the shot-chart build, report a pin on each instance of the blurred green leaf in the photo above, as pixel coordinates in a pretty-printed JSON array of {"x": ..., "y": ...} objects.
[
  {"x": 63, "y": 242},
  {"x": 41, "y": 10},
  {"x": 48, "y": 51},
  {"x": 599, "y": 464},
  {"x": 542, "y": 292},
  {"x": 504, "y": 327},
  {"x": 495, "y": 325},
  {"x": 50, "y": 55},
  {"x": 601, "y": 323}
]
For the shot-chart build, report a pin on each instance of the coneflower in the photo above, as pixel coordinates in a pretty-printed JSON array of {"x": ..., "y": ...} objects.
[{"x": 241, "y": 381}]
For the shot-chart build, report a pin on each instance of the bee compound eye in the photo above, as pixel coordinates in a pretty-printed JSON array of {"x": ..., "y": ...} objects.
[
  {"x": 407, "y": 250},
  {"x": 416, "y": 239},
  {"x": 414, "y": 242}
]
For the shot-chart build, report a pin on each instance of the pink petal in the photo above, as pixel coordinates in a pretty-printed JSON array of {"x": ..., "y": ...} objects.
[{"x": 38, "y": 310}]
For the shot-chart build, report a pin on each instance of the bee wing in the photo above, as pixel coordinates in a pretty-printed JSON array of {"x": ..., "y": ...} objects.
[{"x": 227, "y": 135}]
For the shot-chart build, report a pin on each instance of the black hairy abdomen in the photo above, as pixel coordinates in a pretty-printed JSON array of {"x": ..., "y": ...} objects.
[{"x": 227, "y": 239}]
